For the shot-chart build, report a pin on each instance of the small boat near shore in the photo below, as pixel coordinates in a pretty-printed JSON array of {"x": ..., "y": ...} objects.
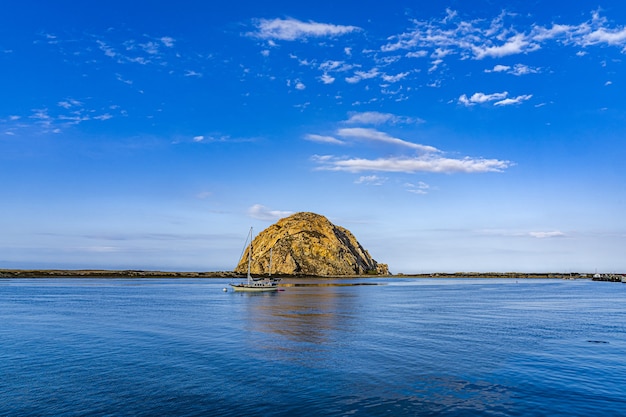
[{"x": 255, "y": 284}]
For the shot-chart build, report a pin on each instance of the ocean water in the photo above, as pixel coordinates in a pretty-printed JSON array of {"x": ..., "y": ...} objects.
[{"x": 401, "y": 347}]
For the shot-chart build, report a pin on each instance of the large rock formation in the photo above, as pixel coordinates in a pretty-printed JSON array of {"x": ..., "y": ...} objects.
[{"x": 308, "y": 244}]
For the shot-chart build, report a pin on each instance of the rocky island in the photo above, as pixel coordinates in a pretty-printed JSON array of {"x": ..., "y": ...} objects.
[{"x": 309, "y": 244}]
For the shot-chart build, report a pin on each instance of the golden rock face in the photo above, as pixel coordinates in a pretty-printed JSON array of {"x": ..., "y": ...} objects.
[{"x": 309, "y": 244}]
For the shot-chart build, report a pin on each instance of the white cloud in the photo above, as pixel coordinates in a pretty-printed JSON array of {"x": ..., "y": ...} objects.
[
  {"x": 167, "y": 41},
  {"x": 377, "y": 118},
  {"x": 602, "y": 35},
  {"x": 121, "y": 79},
  {"x": 518, "y": 69},
  {"x": 370, "y": 117},
  {"x": 500, "y": 99},
  {"x": 541, "y": 34},
  {"x": 261, "y": 212},
  {"x": 545, "y": 235},
  {"x": 105, "y": 116},
  {"x": 419, "y": 188},
  {"x": 371, "y": 180},
  {"x": 363, "y": 75},
  {"x": 69, "y": 103},
  {"x": 479, "y": 98},
  {"x": 327, "y": 79},
  {"x": 293, "y": 29},
  {"x": 499, "y": 68},
  {"x": 41, "y": 114},
  {"x": 108, "y": 50},
  {"x": 416, "y": 54},
  {"x": 324, "y": 139},
  {"x": 394, "y": 78},
  {"x": 338, "y": 66},
  {"x": 191, "y": 73},
  {"x": 378, "y": 136},
  {"x": 415, "y": 164},
  {"x": 504, "y": 35},
  {"x": 514, "y": 100},
  {"x": 297, "y": 84},
  {"x": 151, "y": 48},
  {"x": 517, "y": 44},
  {"x": 198, "y": 138}
]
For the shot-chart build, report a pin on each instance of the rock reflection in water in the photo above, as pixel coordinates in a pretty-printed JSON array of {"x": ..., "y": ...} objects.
[{"x": 304, "y": 317}]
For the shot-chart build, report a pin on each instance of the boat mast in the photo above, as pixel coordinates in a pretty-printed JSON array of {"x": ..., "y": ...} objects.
[
  {"x": 250, "y": 257},
  {"x": 271, "y": 249}
]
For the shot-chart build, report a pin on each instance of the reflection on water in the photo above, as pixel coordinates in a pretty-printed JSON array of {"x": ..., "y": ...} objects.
[
  {"x": 329, "y": 284},
  {"x": 302, "y": 314}
]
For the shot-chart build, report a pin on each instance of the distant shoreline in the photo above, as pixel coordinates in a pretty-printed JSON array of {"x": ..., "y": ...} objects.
[
  {"x": 98, "y": 273},
  {"x": 104, "y": 273}
]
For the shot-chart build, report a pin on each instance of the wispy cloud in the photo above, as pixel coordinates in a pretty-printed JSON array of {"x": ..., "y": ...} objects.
[
  {"x": 501, "y": 36},
  {"x": 167, "y": 41},
  {"x": 378, "y": 118},
  {"x": 516, "y": 44},
  {"x": 499, "y": 99},
  {"x": 67, "y": 112},
  {"x": 324, "y": 139},
  {"x": 69, "y": 103},
  {"x": 261, "y": 212},
  {"x": 546, "y": 235},
  {"x": 191, "y": 73},
  {"x": 293, "y": 29},
  {"x": 335, "y": 66},
  {"x": 517, "y": 69},
  {"x": 144, "y": 50},
  {"x": 480, "y": 98},
  {"x": 452, "y": 36},
  {"x": 378, "y": 136},
  {"x": 371, "y": 180},
  {"x": 420, "y": 188},
  {"x": 395, "y": 78},
  {"x": 513, "y": 100},
  {"x": 363, "y": 75},
  {"x": 427, "y": 159},
  {"x": 327, "y": 79},
  {"x": 412, "y": 165}
]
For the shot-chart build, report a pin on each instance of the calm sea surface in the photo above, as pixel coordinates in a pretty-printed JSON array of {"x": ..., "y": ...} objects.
[{"x": 414, "y": 347}]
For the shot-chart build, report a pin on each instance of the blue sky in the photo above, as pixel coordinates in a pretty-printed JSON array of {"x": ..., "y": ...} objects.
[{"x": 447, "y": 136}]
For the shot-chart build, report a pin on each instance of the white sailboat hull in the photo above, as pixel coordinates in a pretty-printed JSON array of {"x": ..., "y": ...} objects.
[{"x": 254, "y": 287}]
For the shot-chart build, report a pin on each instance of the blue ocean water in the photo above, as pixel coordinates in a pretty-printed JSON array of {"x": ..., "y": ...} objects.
[{"x": 402, "y": 347}]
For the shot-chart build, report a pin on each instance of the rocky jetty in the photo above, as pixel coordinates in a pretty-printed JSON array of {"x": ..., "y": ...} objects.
[{"x": 309, "y": 244}]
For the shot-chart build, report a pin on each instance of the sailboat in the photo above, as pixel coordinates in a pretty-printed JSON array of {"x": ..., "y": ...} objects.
[{"x": 255, "y": 284}]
